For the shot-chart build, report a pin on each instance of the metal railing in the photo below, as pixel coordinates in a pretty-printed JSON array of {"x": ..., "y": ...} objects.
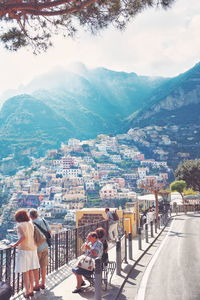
[{"x": 66, "y": 246}]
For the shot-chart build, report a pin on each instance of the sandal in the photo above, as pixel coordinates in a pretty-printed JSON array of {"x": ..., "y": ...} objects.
[
  {"x": 26, "y": 296},
  {"x": 41, "y": 286},
  {"x": 31, "y": 294}
]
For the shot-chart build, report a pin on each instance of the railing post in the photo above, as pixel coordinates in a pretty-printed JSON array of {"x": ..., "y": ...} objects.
[
  {"x": 107, "y": 228},
  {"x": 130, "y": 246},
  {"x": 140, "y": 238},
  {"x": 165, "y": 219},
  {"x": 56, "y": 251},
  {"x": 76, "y": 242},
  {"x": 155, "y": 226},
  {"x": 97, "y": 279},
  {"x": 158, "y": 222},
  {"x": 161, "y": 220},
  {"x": 8, "y": 265},
  {"x": 125, "y": 245},
  {"x": 151, "y": 224},
  {"x": 146, "y": 233},
  {"x": 118, "y": 257},
  {"x": 67, "y": 246}
]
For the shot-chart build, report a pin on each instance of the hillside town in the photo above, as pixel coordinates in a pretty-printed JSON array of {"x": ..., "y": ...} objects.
[
  {"x": 166, "y": 143},
  {"x": 101, "y": 172}
]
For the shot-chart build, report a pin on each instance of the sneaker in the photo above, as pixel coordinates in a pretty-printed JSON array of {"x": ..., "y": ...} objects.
[
  {"x": 83, "y": 283},
  {"x": 77, "y": 291}
]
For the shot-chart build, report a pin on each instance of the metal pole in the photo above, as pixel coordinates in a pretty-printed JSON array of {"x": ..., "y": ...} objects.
[
  {"x": 155, "y": 226},
  {"x": 130, "y": 246},
  {"x": 97, "y": 279},
  {"x": 139, "y": 238},
  {"x": 118, "y": 257},
  {"x": 146, "y": 233},
  {"x": 76, "y": 242},
  {"x": 138, "y": 212},
  {"x": 56, "y": 251},
  {"x": 151, "y": 224},
  {"x": 158, "y": 222},
  {"x": 125, "y": 245},
  {"x": 161, "y": 220}
]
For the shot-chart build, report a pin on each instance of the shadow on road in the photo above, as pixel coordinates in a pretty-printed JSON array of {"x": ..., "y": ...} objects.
[
  {"x": 178, "y": 234},
  {"x": 193, "y": 216}
]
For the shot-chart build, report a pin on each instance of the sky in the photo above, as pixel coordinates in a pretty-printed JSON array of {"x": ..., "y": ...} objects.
[{"x": 155, "y": 43}]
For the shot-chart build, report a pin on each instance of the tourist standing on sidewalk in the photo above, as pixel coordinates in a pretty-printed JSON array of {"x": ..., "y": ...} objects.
[
  {"x": 93, "y": 248},
  {"x": 150, "y": 215},
  {"x": 113, "y": 225},
  {"x": 26, "y": 259},
  {"x": 42, "y": 249}
]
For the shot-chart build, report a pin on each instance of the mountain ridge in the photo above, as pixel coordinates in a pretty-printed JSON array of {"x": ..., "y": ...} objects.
[{"x": 94, "y": 102}]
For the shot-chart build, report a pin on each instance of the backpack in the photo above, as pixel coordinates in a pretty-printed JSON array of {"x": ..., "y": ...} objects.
[
  {"x": 115, "y": 216},
  {"x": 46, "y": 233},
  {"x": 39, "y": 237}
]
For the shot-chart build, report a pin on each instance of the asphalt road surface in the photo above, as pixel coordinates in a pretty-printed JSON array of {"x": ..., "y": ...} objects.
[{"x": 174, "y": 273}]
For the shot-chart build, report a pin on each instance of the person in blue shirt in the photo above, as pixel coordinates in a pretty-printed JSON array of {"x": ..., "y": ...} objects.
[
  {"x": 93, "y": 248},
  {"x": 42, "y": 249}
]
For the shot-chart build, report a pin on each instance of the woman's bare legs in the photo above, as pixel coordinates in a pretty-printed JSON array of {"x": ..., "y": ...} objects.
[
  {"x": 31, "y": 280},
  {"x": 36, "y": 277},
  {"x": 26, "y": 282}
]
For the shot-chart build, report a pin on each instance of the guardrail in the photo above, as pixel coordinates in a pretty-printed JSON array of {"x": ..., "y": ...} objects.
[{"x": 66, "y": 246}]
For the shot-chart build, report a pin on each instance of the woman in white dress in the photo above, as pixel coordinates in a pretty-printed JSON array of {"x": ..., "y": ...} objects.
[{"x": 26, "y": 258}]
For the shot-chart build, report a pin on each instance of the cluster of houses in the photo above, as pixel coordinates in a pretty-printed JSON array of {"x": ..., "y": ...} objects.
[{"x": 67, "y": 179}]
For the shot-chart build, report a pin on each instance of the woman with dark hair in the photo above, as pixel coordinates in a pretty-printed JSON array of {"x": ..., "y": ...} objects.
[
  {"x": 93, "y": 248},
  {"x": 101, "y": 234},
  {"x": 26, "y": 258}
]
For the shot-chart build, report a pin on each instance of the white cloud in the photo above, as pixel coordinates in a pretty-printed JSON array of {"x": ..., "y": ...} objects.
[{"x": 157, "y": 43}]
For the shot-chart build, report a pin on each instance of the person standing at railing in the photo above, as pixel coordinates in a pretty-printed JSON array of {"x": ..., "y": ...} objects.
[
  {"x": 113, "y": 225},
  {"x": 42, "y": 249},
  {"x": 27, "y": 261},
  {"x": 92, "y": 248}
]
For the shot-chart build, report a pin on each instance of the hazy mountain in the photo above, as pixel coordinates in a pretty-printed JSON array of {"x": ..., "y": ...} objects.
[
  {"x": 175, "y": 108},
  {"x": 82, "y": 103},
  {"x": 28, "y": 127},
  {"x": 60, "y": 104},
  {"x": 176, "y": 101}
]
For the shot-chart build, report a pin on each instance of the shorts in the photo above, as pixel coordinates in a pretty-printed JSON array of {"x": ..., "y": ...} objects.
[
  {"x": 81, "y": 271},
  {"x": 43, "y": 257}
]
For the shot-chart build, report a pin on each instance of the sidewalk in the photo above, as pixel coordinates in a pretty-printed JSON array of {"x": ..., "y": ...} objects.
[{"x": 61, "y": 283}]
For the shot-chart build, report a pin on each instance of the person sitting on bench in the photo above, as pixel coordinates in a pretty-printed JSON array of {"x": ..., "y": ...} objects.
[{"x": 93, "y": 248}]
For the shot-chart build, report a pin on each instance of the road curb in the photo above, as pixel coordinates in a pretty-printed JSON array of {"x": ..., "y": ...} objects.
[{"x": 139, "y": 258}]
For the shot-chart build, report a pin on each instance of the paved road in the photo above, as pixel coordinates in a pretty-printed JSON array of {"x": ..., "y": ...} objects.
[{"x": 175, "y": 275}]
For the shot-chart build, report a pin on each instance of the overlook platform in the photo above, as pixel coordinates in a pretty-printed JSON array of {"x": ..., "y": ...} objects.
[{"x": 62, "y": 282}]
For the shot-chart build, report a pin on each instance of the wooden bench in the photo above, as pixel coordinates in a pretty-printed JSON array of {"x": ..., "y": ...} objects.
[{"x": 108, "y": 270}]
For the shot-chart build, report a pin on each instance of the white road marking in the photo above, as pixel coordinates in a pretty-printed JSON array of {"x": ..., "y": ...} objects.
[{"x": 143, "y": 284}]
